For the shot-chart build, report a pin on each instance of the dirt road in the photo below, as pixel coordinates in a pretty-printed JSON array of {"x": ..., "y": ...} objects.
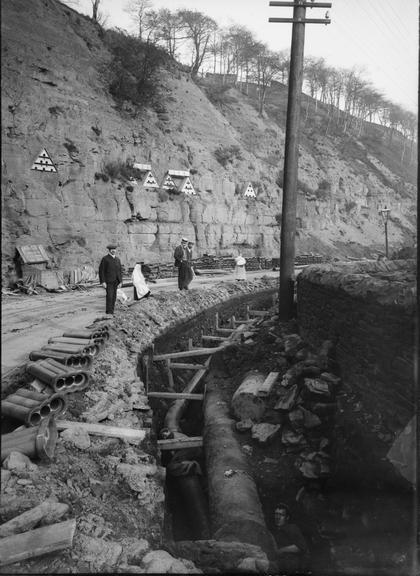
[{"x": 28, "y": 321}]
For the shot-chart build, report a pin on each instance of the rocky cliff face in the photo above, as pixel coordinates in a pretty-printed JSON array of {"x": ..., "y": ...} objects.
[{"x": 55, "y": 98}]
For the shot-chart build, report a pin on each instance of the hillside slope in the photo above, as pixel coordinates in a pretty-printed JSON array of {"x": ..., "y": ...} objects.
[{"x": 55, "y": 97}]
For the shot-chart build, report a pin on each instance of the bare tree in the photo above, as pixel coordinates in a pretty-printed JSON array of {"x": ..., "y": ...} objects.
[
  {"x": 266, "y": 67},
  {"x": 97, "y": 16},
  {"x": 199, "y": 29},
  {"x": 137, "y": 9},
  {"x": 95, "y": 9},
  {"x": 169, "y": 30}
]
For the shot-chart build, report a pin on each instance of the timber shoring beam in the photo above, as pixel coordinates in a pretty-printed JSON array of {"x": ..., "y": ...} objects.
[{"x": 235, "y": 508}]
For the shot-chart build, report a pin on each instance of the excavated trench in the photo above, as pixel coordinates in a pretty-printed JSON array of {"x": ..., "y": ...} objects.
[{"x": 357, "y": 519}]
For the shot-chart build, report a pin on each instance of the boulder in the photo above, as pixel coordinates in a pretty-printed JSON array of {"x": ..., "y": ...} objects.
[
  {"x": 288, "y": 398},
  {"x": 161, "y": 562},
  {"x": 264, "y": 432},
  {"x": 76, "y": 436},
  {"x": 246, "y": 404},
  {"x": 218, "y": 554},
  {"x": 19, "y": 463},
  {"x": 98, "y": 411},
  {"x": 5, "y": 477},
  {"x": 134, "y": 549},
  {"x": 244, "y": 425},
  {"x": 293, "y": 343},
  {"x": 101, "y": 554}
]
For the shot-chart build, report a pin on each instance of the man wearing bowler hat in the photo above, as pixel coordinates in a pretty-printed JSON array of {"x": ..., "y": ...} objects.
[
  {"x": 110, "y": 276},
  {"x": 182, "y": 263}
]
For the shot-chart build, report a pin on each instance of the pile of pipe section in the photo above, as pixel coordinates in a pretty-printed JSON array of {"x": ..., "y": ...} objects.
[{"x": 59, "y": 369}]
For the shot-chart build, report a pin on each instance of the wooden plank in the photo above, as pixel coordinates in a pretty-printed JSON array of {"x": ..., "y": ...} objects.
[
  {"x": 180, "y": 443},
  {"x": 239, "y": 322},
  {"x": 213, "y": 337},
  {"x": 186, "y": 366},
  {"x": 129, "y": 434},
  {"x": 198, "y": 376},
  {"x": 27, "y": 520},
  {"x": 176, "y": 395},
  {"x": 226, "y": 330},
  {"x": 188, "y": 353},
  {"x": 268, "y": 383},
  {"x": 258, "y": 312},
  {"x": 36, "y": 542}
]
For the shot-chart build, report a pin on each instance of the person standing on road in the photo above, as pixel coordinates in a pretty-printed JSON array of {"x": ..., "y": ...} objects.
[
  {"x": 181, "y": 262},
  {"x": 141, "y": 289},
  {"x": 240, "y": 273},
  {"x": 190, "y": 246},
  {"x": 110, "y": 276}
]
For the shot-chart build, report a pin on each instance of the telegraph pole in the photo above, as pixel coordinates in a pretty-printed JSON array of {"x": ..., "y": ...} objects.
[{"x": 291, "y": 154}]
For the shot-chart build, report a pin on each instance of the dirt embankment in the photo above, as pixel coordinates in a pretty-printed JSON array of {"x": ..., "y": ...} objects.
[{"x": 114, "y": 488}]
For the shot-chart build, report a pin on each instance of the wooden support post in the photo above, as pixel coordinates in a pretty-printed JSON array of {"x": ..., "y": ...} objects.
[
  {"x": 247, "y": 312},
  {"x": 20, "y": 547},
  {"x": 189, "y": 353},
  {"x": 148, "y": 365},
  {"x": 232, "y": 322},
  {"x": 170, "y": 375},
  {"x": 186, "y": 366},
  {"x": 29, "y": 519},
  {"x": 180, "y": 443},
  {"x": 227, "y": 330},
  {"x": 217, "y": 320},
  {"x": 190, "y": 344},
  {"x": 214, "y": 338},
  {"x": 258, "y": 312},
  {"x": 175, "y": 395}
]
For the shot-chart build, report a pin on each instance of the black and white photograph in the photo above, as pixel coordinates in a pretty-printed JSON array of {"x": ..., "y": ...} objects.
[{"x": 209, "y": 315}]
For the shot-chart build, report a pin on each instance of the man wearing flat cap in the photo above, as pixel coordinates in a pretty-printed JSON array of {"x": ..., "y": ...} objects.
[
  {"x": 183, "y": 265},
  {"x": 110, "y": 276}
]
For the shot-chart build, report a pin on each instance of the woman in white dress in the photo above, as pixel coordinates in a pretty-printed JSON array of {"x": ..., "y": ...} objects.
[
  {"x": 240, "y": 272},
  {"x": 141, "y": 289}
]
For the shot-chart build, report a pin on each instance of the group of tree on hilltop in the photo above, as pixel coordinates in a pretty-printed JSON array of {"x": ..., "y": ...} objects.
[{"x": 234, "y": 52}]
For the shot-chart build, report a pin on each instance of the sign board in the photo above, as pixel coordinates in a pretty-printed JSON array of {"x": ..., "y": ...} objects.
[
  {"x": 179, "y": 173},
  {"x": 44, "y": 163},
  {"x": 250, "y": 192},
  {"x": 142, "y": 167},
  {"x": 149, "y": 181},
  {"x": 33, "y": 254},
  {"x": 187, "y": 187},
  {"x": 168, "y": 183}
]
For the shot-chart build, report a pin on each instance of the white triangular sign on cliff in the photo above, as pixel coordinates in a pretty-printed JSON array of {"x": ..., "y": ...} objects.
[
  {"x": 187, "y": 187},
  {"x": 44, "y": 163},
  {"x": 149, "y": 181},
  {"x": 168, "y": 183},
  {"x": 250, "y": 192}
]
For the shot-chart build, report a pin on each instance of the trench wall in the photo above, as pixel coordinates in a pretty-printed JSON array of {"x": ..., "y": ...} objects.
[{"x": 368, "y": 311}]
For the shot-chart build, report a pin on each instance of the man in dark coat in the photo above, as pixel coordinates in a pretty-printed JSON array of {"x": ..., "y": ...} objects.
[
  {"x": 110, "y": 276},
  {"x": 183, "y": 265}
]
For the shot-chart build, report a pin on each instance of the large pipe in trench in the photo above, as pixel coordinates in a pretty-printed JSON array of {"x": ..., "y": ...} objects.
[
  {"x": 189, "y": 484},
  {"x": 235, "y": 508}
]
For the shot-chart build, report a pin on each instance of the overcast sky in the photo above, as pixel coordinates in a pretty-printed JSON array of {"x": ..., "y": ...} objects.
[{"x": 377, "y": 36}]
